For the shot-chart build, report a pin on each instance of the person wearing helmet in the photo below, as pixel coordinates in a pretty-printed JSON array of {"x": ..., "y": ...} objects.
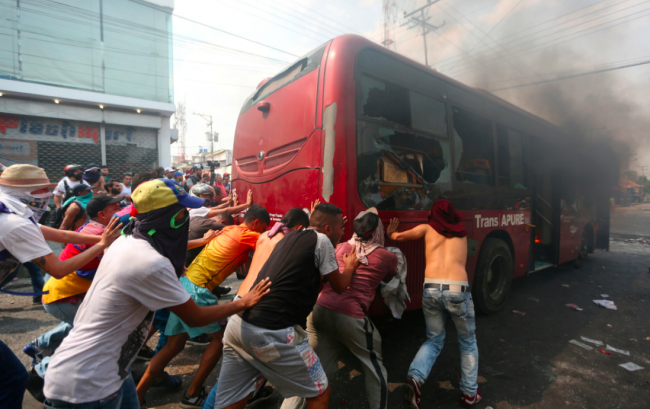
[
  {"x": 73, "y": 178},
  {"x": 214, "y": 195}
]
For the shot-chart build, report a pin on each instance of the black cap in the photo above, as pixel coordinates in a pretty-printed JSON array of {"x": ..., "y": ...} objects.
[
  {"x": 80, "y": 188},
  {"x": 366, "y": 225},
  {"x": 99, "y": 203}
]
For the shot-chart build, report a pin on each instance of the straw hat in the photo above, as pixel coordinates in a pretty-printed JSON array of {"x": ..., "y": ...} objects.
[{"x": 25, "y": 176}]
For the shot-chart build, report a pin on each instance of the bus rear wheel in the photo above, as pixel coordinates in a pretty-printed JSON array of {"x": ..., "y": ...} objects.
[{"x": 493, "y": 276}]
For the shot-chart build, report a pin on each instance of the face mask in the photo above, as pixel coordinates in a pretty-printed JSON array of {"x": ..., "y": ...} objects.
[
  {"x": 37, "y": 203},
  {"x": 92, "y": 176}
]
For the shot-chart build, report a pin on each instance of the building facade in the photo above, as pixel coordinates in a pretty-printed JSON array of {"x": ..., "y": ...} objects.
[{"x": 86, "y": 81}]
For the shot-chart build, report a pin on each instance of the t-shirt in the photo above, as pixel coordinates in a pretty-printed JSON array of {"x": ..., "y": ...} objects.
[
  {"x": 198, "y": 227},
  {"x": 199, "y": 212},
  {"x": 59, "y": 190},
  {"x": 20, "y": 241},
  {"x": 295, "y": 268},
  {"x": 112, "y": 323},
  {"x": 78, "y": 282},
  {"x": 356, "y": 300},
  {"x": 222, "y": 256}
]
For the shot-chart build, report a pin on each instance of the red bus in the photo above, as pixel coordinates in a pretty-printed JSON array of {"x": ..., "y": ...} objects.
[{"x": 357, "y": 125}]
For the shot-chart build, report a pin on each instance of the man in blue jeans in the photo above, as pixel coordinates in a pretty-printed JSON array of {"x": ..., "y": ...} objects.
[{"x": 446, "y": 293}]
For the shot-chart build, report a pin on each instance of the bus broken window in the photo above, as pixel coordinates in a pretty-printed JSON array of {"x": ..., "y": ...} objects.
[
  {"x": 398, "y": 105},
  {"x": 400, "y": 170},
  {"x": 512, "y": 164},
  {"x": 473, "y": 147}
]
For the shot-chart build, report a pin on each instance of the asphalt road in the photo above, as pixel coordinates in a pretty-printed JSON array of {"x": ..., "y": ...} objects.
[{"x": 525, "y": 361}]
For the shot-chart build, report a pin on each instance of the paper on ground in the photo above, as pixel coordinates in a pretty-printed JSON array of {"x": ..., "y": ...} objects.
[
  {"x": 607, "y": 304},
  {"x": 580, "y": 344},
  {"x": 592, "y": 341},
  {"x": 620, "y": 351},
  {"x": 604, "y": 295},
  {"x": 631, "y": 366}
]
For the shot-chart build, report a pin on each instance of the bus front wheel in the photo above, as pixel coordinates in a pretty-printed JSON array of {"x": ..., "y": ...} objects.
[{"x": 493, "y": 276}]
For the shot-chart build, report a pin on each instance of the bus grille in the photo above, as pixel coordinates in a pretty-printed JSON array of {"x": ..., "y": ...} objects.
[
  {"x": 248, "y": 164},
  {"x": 283, "y": 154}
]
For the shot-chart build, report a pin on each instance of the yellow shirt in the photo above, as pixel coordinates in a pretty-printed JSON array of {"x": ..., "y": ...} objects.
[{"x": 222, "y": 256}]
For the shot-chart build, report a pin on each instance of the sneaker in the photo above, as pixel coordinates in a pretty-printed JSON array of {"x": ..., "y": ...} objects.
[
  {"x": 221, "y": 291},
  {"x": 203, "y": 339},
  {"x": 37, "y": 300},
  {"x": 263, "y": 394},
  {"x": 189, "y": 402},
  {"x": 469, "y": 401},
  {"x": 412, "y": 394},
  {"x": 168, "y": 382},
  {"x": 145, "y": 354},
  {"x": 35, "y": 352}
]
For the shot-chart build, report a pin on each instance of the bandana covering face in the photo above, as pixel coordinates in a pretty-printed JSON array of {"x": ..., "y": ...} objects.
[
  {"x": 167, "y": 236},
  {"x": 445, "y": 220},
  {"x": 364, "y": 248},
  {"x": 24, "y": 203}
]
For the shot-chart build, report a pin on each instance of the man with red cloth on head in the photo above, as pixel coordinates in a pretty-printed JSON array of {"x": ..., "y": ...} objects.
[{"x": 446, "y": 293}]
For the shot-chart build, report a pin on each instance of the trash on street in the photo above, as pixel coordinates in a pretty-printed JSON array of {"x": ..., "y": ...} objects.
[
  {"x": 631, "y": 366},
  {"x": 604, "y": 295},
  {"x": 607, "y": 304},
  {"x": 518, "y": 312},
  {"x": 581, "y": 345},
  {"x": 604, "y": 352},
  {"x": 592, "y": 341},
  {"x": 620, "y": 351}
]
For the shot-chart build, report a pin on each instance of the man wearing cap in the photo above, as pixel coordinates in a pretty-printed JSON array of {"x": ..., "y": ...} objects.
[
  {"x": 178, "y": 177},
  {"x": 169, "y": 173},
  {"x": 24, "y": 196},
  {"x": 446, "y": 293},
  {"x": 75, "y": 208},
  {"x": 137, "y": 276},
  {"x": 73, "y": 177},
  {"x": 339, "y": 320}
]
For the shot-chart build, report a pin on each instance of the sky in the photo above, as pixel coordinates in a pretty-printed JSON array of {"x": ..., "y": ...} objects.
[{"x": 491, "y": 44}]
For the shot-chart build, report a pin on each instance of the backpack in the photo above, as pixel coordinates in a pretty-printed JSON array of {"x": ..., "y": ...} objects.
[{"x": 59, "y": 212}]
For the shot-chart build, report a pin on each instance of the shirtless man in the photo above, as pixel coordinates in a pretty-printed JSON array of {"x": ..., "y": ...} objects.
[{"x": 446, "y": 293}]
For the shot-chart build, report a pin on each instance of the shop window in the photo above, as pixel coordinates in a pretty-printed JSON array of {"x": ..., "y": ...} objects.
[
  {"x": 398, "y": 105},
  {"x": 400, "y": 170},
  {"x": 473, "y": 148},
  {"x": 512, "y": 162}
]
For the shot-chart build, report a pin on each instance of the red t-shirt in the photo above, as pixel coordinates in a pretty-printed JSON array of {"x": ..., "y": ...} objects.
[{"x": 356, "y": 300}]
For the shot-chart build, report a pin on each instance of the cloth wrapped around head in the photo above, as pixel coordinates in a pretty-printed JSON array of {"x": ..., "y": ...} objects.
[
  {"x": 368, "y": 234},
  {"x": 445, "y": 220}
]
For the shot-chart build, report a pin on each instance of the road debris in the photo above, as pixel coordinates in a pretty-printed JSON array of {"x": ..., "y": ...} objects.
[
  {"x": 647, "y": 338},
  {"x": 581, "y": 345},
  {"x": 620, "y": 351},
  {"x": 565, "y": 285},
  {"x": 533, "y": 299},
  {"x": 631, "y": 366},
  {"x": 604, "y": 295},
  {"x": 604, "y": 352},
  {"x": 607, "y": 304},
  {"x": 575, "y": 307},
  {"x": 518, "y": 312},
  {"x": 609, "y": 325},
  {"x": 633, "y": 339},
  {"x": 592, "y": 341}
]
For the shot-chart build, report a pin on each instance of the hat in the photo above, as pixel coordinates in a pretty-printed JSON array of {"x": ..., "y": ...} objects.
[
  {"x": 226, "y": 174},
  {"x": 177, "y": 173},
  {"x": 366, "y": 223},
  {"x": 25, "y": 176},
  {"x": 80, "y": 188},
  {"x": 99, "y": 203},
  {"x": 169, "y": 169},
  {"x": 159, "y": 193}
]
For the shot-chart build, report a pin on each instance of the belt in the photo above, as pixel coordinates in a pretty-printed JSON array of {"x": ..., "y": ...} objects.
[{"x": 454, "y": 288}]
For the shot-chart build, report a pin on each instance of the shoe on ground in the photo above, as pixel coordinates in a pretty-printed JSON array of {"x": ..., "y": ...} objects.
[
  {"x": 168, "y": 382},
  {"x": 37, "y": 300},
  {"x": 221, "y": 291},
  {"x": 35, "y": 352},
  {"x": 203, "y": 339},
  {"x": 145, "y": 354},
  {"x": 262, "y": 395},
  {"x": 469, "y": 401},
  {"x": 412, "y": 394},
  {"x": 190, "y": 402}
]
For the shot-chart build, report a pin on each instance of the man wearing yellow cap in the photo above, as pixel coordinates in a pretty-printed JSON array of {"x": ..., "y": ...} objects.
[{"x": 137, "y": 276}]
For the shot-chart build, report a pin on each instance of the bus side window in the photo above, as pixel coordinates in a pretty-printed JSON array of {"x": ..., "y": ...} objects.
[
  {"x": 512, "y": 166},
  {"x": 473, "y": 148}
]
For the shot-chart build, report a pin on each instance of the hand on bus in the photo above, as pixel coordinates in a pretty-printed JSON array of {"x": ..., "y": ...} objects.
[
  {"x": 392, "y": 227},
  {"x": 249, "y": 200},
  {"x": 313, "y": 205},
  {"x": 351, "y": 261}
]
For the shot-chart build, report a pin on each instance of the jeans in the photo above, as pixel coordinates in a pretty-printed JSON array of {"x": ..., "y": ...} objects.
[
  {"x": 50, "y": 341},
  {"x": 125, "y": 398},
  {"x": 64, "y": 311},
  {"x": 36, "y": 276},
  {"x": 13, "y": 379},
  {"x": 437, "y": 306}
]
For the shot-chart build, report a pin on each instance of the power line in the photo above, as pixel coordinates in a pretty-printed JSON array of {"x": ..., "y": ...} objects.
[{"x": 566, "y": 77}]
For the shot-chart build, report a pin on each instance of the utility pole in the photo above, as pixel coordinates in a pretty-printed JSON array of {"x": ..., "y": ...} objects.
[
  {"x": 211, "y": 134},
  {"x": 388, "y": 8},
  {"x": 181, "y": 125},
  {"x": 421, "y": 21}
]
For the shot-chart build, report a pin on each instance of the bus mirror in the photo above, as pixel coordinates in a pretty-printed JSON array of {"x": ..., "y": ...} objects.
[{"x": 264, "y": 106}]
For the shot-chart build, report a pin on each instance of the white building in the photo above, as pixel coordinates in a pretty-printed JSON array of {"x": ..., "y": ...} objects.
[{"x": 86, "y": 82}]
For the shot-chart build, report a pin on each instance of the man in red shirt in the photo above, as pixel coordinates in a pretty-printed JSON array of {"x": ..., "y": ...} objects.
[{"x": 339, "y": 320}]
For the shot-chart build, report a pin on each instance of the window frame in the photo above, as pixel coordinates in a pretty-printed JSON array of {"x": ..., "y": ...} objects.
[{"x": 528, "y": 166}]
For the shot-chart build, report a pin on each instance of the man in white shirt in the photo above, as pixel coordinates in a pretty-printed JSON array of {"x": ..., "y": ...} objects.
[
  {"x": 73, "y": 177},
  {"x": 135, "y": 278},
  {"x": 126, "y": 184},
  {"x": 169, "y": 173}
]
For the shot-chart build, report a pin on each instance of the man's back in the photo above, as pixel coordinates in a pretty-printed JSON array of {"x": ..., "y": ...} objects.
[
  {"x": 263, "y": 250},
  {"x": 446, "y": 257}
]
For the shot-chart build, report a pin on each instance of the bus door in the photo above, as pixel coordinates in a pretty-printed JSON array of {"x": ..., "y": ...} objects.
[{"x": 544, "y": 219}]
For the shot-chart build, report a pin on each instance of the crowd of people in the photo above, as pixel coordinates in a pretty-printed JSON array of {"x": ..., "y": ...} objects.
[{"x": 150, "y": 254}]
